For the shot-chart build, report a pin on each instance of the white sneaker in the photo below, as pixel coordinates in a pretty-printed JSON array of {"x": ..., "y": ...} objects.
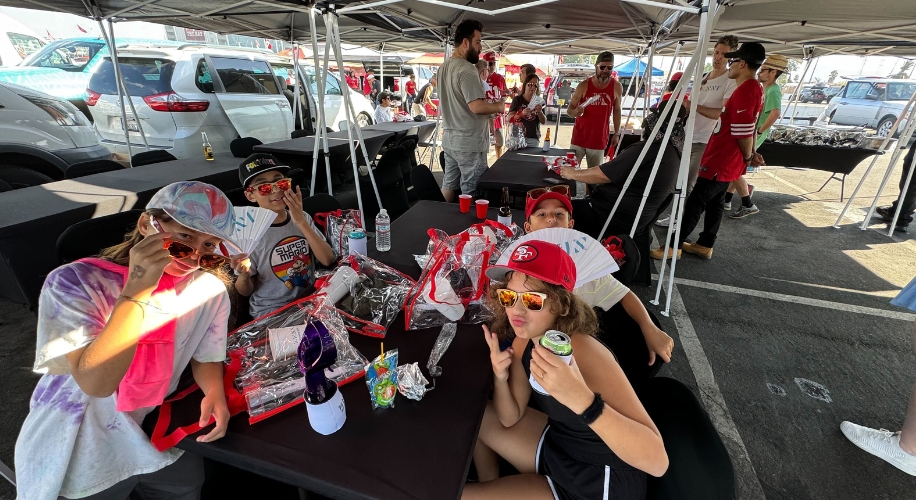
[
  {"x": 881, "y": 443},
  {"x": 727, "y": 206},
  {"x": 663, "y": 222}
]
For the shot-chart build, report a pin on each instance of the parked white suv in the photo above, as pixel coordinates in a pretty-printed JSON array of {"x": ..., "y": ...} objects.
[
  {"x": 871, "y": 102},
  {"x": 335, "y": 115},
  {"x": 180, "y": 92},
  {"x": 41, "y": 136}
]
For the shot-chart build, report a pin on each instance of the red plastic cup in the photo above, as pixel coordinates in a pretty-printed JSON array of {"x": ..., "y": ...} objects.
[
  {"x": 482, "y": 207},
  {"x": 464, "y": 203},
  {"x": 571, "y": 156}
]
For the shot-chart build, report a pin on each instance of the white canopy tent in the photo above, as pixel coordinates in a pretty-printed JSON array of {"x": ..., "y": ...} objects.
[{"x": 655, "y": 27}]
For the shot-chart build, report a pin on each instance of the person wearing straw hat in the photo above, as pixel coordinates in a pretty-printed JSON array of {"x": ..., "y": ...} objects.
[
  {"x": 115, "y": 333},
  {"x": 772, "y": 69}
]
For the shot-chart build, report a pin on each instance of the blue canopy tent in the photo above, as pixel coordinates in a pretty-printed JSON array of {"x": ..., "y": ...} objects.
[{"x": 627, "y": 69}]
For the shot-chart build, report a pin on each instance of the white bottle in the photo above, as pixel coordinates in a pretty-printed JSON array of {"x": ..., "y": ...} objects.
[{"x": 382, "y": 231}]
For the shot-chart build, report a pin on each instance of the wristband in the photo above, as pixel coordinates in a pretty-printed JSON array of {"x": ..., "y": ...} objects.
[{"x": 593, "y": 411}]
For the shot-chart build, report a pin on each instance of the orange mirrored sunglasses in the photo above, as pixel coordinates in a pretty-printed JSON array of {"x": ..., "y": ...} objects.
[
  {"x": 265, "y": 188},
  {"x": 179, "y": 250},
  {"x": 533, "y": 301},
  {"x": 559, "y": 188}
]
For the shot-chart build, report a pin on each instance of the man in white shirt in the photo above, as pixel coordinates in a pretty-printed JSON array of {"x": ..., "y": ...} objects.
[
  {"x": 714, "y": 91},
  {"x": 383, "y": 110}
]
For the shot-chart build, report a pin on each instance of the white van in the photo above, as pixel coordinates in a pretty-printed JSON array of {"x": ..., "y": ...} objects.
[{"x": 16, "y": 41}]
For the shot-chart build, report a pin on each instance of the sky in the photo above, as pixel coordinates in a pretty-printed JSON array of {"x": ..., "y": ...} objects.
[{"x": 60, "y": 25}]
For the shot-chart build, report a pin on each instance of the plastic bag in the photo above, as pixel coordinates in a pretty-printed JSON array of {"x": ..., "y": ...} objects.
[
  {"x": 516, "y": 137},
  {"x": 451, "y": 286},
  {"x": 272, "y": 383},
  {"x": 554, "y": 163},
  {"x": 337, "y": 226},
  {"x": 375, "y": 297},
  {"x": 501, "y": 236}
]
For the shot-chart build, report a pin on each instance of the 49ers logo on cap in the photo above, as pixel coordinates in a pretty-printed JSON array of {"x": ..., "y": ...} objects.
[{"x": 524, "y": 253}]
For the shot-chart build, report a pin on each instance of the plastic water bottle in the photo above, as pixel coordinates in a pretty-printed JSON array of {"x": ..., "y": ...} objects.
[{"x": 382, "y": 231}]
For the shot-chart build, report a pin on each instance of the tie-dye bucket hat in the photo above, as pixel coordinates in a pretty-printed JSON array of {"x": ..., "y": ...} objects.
[{"x": 198, "y": 206}]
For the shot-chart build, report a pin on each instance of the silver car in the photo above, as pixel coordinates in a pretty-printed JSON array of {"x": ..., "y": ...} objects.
[{"x": 871, "y": 102}]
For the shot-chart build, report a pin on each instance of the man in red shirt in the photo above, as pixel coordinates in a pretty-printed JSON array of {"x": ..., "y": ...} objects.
[
  {"x": 498, "y": 88},
  {"x": 592, "y": 128},
  {"x": 730, "y": 151}
]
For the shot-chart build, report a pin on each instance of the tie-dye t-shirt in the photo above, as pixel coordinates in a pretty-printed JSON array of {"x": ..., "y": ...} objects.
[{"x": 74, "y": 445}]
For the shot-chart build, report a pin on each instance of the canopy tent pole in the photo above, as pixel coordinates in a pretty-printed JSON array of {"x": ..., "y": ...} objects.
[
  {"x": 123, "y": 86},
  {"x": 634, "y": 84},
  {"x": 333, "y": 37},
  {"x": 796, "y": 93},
  {"x": 117, "y": 74},
  {"x": 647, "y": 77},
  {"x": 874, "y": 160},
  {"x": 707, "y": 23},
  {"x": 297, "y": 91},
  {"x": 901, "y": 143},
  {"x": 677, "y": 50},
  {"x": 906, "y": 185},
  {"x": 437, "y": 131},
  {"x": 321, "y": 132},
  {"x": 381, "y": 68}
]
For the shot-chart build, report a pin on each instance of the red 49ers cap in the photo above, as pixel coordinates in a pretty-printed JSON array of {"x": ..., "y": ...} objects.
[{"x": 539, "y": 259}]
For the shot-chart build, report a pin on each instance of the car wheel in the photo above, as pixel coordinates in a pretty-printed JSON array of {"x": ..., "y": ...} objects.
[
  {"x": 22, "y": 177},
  {"x": 884, "y": 127},
  {"x": 363, "y": 120}
]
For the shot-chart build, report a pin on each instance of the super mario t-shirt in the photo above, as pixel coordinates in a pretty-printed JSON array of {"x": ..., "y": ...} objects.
[{"x": 282, "y": 267}]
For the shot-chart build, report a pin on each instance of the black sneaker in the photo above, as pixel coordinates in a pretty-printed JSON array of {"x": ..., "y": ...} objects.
[
  {"x": 885, "y": 213},
  {"x": 901, "y": 229}
]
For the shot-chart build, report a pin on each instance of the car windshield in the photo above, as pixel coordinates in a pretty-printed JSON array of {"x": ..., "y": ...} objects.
[
  {"x": 900, "y": 91},
  {"x": 68, "y": 56},
  {"x": 25, "y": 45},
  {"x": 143, "y": 76}
]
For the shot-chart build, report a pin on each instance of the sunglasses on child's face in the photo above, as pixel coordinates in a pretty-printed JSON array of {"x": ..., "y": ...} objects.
[
  {"x": 265, "y": 188},
  {"x": 533, "y": 301},
  {"x": 559, "y": 188},
  {"x": 179, "y": 250}
]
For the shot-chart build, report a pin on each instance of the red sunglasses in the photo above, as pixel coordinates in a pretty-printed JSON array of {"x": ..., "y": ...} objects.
[
  {"x": 265, "y": 188},
  {"x": 179, "y": 250}
]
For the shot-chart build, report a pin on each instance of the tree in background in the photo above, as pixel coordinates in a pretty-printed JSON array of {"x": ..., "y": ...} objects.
[
  {"x": 578, "y": 59},
  {"x": 791, "y": 67},
  {"x": 832, "y": 76},
  {"x": 904, "y": 72}
]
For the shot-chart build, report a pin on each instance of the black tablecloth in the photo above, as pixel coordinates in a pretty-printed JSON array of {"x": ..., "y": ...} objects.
[
  {"x": 521, "y": 171},
  {"x": 401, "y": 128},
  {"x": 417, "y": 450},
  {"x": 826, "y": 158},
  {"x": 32, "y": 219},
  {"x": 409, "y": 231},
  {"x": 337, "y": 141}
]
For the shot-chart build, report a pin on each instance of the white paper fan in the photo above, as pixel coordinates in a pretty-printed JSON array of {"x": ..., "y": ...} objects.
[
  {"x": 592, "y": 260},
  {"x": 250, "y": 224}
]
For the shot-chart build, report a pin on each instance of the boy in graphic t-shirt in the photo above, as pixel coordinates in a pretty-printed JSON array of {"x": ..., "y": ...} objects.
[{"x": 281, "y": 268}]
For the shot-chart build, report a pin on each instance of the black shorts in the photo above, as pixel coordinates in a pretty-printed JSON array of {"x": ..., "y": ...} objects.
[{"x": 573, "y": 479}]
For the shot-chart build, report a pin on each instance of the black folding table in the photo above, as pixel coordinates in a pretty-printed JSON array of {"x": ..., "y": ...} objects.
[
  {"x": 521, "y": 171},
  {"x": 416, "y": 450},
  {"x": 837, "y": 161},
  {"x": 32, "y": 219}
]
